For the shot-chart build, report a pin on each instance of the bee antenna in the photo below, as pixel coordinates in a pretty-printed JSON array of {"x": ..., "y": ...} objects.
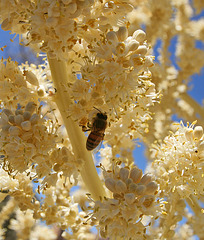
[{"x": 97, "y": 109}]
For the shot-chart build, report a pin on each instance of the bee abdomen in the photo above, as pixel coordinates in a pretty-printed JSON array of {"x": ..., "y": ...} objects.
[{"x": 93, "y": 140}]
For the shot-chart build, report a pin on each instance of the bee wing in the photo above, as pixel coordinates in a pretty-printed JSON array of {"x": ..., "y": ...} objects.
[
  {"x": 94, "y": 139},
  {"x": 96, "y": 150}
]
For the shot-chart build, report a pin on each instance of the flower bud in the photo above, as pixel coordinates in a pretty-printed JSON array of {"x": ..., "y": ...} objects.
[
  {"x": 5, "y": 128},
  {"x": 139, "y": 35},
  {"x": 133, "y": 45},
  {"x": 198, "y": 132},
  {"x": 57, "y": 167},
  {"x": 6, "y": 25},
  {"x": 20, "y": 81},
  {"x": 142, "y": 49},
  {"x": 18, "y": 119},
  {"x": 34, "y": 119},
  {"x": 110, "y": 184},
  {"x": 8, "y": 112},
  {"x": 122, "y": 34},
  {"x": 151, "y": 188},
  {"x": 128, "y": 181},
  {"x": 3, "y": 119},
  {"x": 147, "y": 201},
  {"x": 72, "y": 7},
  {"x": 26, "y": 115},
  {"x": 146, "y": 179},
  {"x": 19, "y": 112},
  {"x": 26, "y": 125},
  {"x": 129, "y": 198},
  {"x": 120, "y": 186},
  {"x": 136, "y": 174},
  {"x": 30, "y": 107},
  {"x": 140, "y": 190},
  {"x": 201, "y": 146},
  {"x": 169, "y": 234},
  {"x": 14, "y": 131},
  {"x": 189, "y": 134},
  {"x": 132, "y": 187},
  {"x": 40, "y": 92},
  {"x": 31, "y": 78},
  {"x": 124, "y": 173},
  {"x": 65, "y": 159},
  {"x": 111, "y": 36},
  {"x": 11, "y": 119},
  {"x": 64, "y": 151}
]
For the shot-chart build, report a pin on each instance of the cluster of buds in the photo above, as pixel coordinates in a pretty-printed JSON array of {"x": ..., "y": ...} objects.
[
  {"x": 133, "y": 198},
  {"x": 65, "y": 163},
  {"x": 132, "y": 186},
  {"x": 24, "y": 138},
  {"x": 127, "y": 50}
]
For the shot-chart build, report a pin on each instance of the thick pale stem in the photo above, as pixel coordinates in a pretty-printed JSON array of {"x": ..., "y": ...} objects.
[{"x": 77, "y": 138}]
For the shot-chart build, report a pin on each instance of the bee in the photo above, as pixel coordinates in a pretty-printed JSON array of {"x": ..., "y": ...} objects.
[{"x": 97, "y": 128}]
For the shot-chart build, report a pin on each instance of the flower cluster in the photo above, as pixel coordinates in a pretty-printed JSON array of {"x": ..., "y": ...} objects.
[
  {"x": 48, "y": 25},
  {"x": 60, "y": 24},
  {"x": 25, "y": 139},
  {"x": 39, "y": 80},
  {"x": 59, "y": 208},
  {"x": 26, "y": 227},
  {"x": 118, "y": 76},
  {"x": 65, "y": 163},
  {"x": 100, "y": 61},
  {"x": 16, "y": 87},
  {"x": 20, "y": 188},
  {"x": 54, "y": 25},
  {"x": 20, "y": 84},
  {"x": 117, "y": 81},
  {"x": 179, "y": 162},
  {"x": 133, "y": 198},
  {"x": 10, "y": 17},
  {"x": 178, "y": 168},
  {"x": 28, "y": 143}
]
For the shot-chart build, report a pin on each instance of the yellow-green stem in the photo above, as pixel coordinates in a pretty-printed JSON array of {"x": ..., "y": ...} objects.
[{"x": 77, "y": 138}]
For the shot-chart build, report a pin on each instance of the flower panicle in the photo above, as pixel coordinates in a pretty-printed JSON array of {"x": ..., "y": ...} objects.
[{"x": 133, "y": 197}]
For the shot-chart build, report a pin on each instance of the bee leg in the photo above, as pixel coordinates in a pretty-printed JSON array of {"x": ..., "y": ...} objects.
[
  {"x": 89, "y": 125},
  {"x": 85, "y": 129},
  {"x": 4, "y": 191}
]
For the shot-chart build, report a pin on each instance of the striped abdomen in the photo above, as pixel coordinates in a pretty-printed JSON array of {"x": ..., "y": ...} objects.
[{"x": 94, "y": 139}]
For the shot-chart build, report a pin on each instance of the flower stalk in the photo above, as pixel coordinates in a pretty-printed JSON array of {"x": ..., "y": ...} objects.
[
  {"x": 77, "y": 138},
  {"x": 197, "y": 108},
  {"x": 193, "y": 203}
]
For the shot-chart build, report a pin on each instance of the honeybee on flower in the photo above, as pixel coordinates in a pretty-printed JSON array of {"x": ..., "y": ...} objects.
[{"x": 97, "y": 128}]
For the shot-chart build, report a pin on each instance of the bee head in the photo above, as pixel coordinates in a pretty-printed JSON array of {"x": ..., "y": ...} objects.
[{"x": 102, "y": 115}]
